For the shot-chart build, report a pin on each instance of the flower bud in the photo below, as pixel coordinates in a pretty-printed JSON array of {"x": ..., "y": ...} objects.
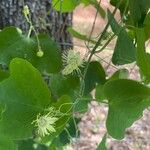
[{"x": 40, "y": 53}]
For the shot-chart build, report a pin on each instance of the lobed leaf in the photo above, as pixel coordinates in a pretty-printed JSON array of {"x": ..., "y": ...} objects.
[
  {"x": 15, "y": 44},
  {"x": 24, "y": 95},
  {"x": 127, "y": 100}
]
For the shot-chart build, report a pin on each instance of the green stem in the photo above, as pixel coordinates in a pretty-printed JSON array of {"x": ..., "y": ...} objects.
[
  {"x": 28, "y": 18},
  {"x": 94, "y": 49},
  {"x": 30, "y": 30},
  {"x": 104, "y": 46},
  {"x": 93, "y": 52}
]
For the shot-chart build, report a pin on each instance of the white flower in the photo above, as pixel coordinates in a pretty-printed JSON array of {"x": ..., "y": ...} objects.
[
  {"x": 45, "y": 124},
  {"x": 72, "y": 62}
]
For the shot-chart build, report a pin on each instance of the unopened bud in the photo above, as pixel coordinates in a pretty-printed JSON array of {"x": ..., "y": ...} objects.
[
  {"x": 26, "y": 10},
  {"x": 40, "y": 53}
]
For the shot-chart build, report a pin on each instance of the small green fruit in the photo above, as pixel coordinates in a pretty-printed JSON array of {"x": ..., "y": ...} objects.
[{"x": 40, "y": 53}]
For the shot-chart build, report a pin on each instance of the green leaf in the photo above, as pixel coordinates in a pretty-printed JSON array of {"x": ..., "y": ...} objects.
[
  {"x": 102, "y": 145},
  {"x": 135, "y": 11},
  {"x": 81, "y": 104},
  {"x": 14, "y": 44},
  {"x": 143, "y": 58},
  {"x": 69, "y": 132},
  {"x": 51, "y": 61},
  {"x": 116, "y": 28},
  {"x": 97, "y": 5},
  {"x": 127, "y": 100},
  {"x": 138, "y": 10},
  {"x": 95, "y": 75},
  {"x": 29, "y": 144},
  {"x": 56, "y": 145},
  {"x": 122, "y": 4},
  {"x": 147, "y": 19},
  {"x": 64, "y": 104},
  {"x": 99, "y": 94},
  {"x": 80, "y": 36},
  {"x": 147, "y": 26},
  {"x": 26, "y": 145},
  {"x": 61, "y": 85},
  {"x": 125, "y": 51},
  {"x": 69, "y": 5},
  {"x": 68, "y": 85},
  {"x": 3, "y": 75},
  {"x": 120, "y": 74},
  {"x": 24, "y": 95},
  {"x": 85, "y": 2},
  {"x": 6, "y": 143},
  {"x": 65, "y": 5}
]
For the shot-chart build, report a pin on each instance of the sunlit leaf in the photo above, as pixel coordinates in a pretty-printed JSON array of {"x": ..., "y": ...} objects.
[{"x": 24, "y": 95}]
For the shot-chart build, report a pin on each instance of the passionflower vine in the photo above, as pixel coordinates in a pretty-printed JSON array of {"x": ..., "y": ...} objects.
[
  {"x": 45, "y": 124},
  {"x": 72, "y": 62}
]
